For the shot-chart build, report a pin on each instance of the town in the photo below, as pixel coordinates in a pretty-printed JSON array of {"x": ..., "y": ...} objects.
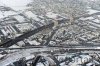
[{"x": 39, "y": 36}]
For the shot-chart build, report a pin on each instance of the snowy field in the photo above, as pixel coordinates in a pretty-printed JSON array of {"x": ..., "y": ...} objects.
[{"x": 15, "y": 4}]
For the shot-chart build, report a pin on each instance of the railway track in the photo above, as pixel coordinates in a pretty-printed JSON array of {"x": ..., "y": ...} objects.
[{"x": 95, "y": 47}]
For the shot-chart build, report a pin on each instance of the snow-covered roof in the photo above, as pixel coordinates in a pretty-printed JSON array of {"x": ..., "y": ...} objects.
[
  {"x": 19, "y": 18},
  {"x": 24, "y": 26},
  {"x": 99, "y": 16},
  {"x": 4, "y": 32},
  {"x": 29, "y": 57},
  {"x": 94, "y": 24},
  {"x": 1, "y": 15},
  {"x": 16, "y": 4},
  {"x": 40, "y": 64},
  {"x": 7, "y": 13},
  {"x": 14, "y": 46},
  {"x": 80, "y": 60},
  {"x": 29, "y": 14},
  {"x": 91, "y": 11},
  {"x": 21, "y": 43},
  {"x": 1, "y": 55},
  {"x": 96, "y": 20},
  {"x": 89, "y": 18},
  {"x": 34, "y": 42},
  {"x": 52, "y": 15},
  {"x": 89, "y": 64}
]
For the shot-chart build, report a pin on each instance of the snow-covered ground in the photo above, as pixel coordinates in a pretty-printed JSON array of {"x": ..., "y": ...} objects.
[
  {"x": 6, "y": 13},
  {"x": 15, "y": 4}
]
